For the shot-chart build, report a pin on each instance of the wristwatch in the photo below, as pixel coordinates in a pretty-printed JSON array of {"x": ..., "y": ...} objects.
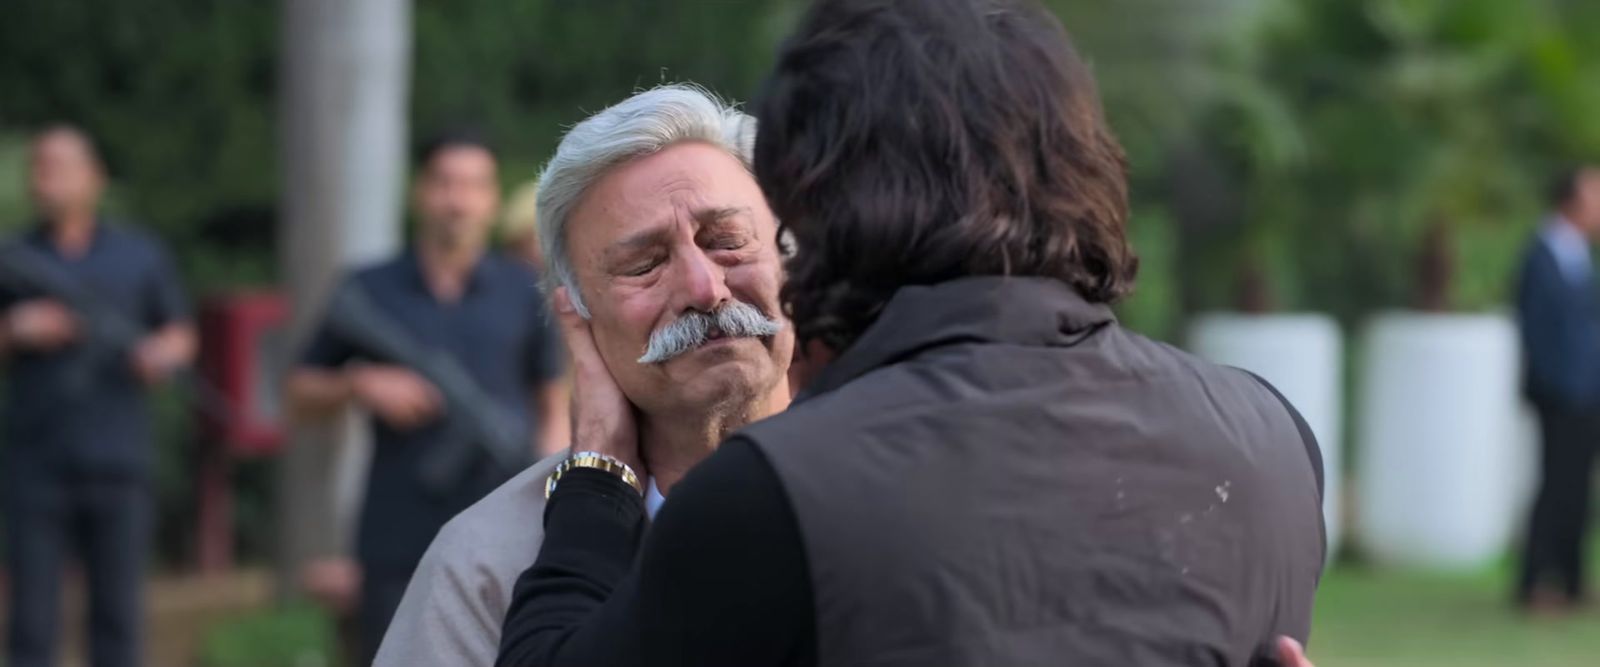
[{"x": 597, "y": 461}]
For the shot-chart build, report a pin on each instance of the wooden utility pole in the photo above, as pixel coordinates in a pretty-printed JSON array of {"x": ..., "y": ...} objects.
[{"x": 345, "y": 76}]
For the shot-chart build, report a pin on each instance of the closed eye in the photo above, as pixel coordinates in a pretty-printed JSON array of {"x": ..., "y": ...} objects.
[
  {"x": 731, "y": 242},
  {"x": 643, "y": 268}
]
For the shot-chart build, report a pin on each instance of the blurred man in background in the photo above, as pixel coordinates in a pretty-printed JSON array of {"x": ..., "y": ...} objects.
[
  {"x": 519, "y": 231},
  {"x": 1558, "y": 308},
  {"x": 77, "y": 428},
  {"x": 479, "y": 312}
]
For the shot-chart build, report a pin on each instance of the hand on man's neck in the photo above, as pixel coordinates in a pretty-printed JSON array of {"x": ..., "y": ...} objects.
[{"x": 672, "y": 446}]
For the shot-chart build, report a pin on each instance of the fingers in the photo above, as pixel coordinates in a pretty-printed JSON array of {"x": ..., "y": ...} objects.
[
  {"x": 580, "y": 340},
  {"x": 42, "y": 324},
  {"x": 152, "y": 361},
  {"x": 435, "y": 400},
  {"x": 602, "y": 417},
  {"x": 589, "y": 369},
  {"x": 419, "y": 401},
  {"x": 563, "y": 302},
  {"x": 401, "y": 397},
  {"x": 407, "y": 415},
  {"x": 145, "y": 366},
  {"x": 1292, "y": 654}
]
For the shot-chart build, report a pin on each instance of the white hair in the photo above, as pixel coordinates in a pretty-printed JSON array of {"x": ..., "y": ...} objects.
[{"x": 633, "y": 128}]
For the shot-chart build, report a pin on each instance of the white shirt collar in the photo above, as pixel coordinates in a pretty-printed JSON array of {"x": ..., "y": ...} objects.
[
  {"x": 653, "y": 499},
  {"x": 1569, "y": 246}
]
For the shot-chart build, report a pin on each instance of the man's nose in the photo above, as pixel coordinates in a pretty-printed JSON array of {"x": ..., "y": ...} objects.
[{"x": 702, "y": 282}]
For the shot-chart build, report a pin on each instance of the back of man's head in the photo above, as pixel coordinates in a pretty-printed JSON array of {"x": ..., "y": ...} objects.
[{"x": 908, "y": 143}]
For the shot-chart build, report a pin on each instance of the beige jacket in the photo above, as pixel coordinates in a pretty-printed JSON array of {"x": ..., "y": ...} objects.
[{"x": 457, "y": 599}]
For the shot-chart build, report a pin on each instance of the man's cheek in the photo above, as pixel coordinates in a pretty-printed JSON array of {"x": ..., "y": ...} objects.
[{"x": 757, "y": 284}]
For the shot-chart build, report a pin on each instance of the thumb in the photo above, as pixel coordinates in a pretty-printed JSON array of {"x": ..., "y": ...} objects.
[
  {"x": 562, "y": 301},
  {"x": 579, "y": 338},
  {"x": 1291, "y": 653}
]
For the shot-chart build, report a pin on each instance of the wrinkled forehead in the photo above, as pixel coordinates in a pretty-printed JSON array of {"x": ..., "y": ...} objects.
[{"x": 693, "y": 183}]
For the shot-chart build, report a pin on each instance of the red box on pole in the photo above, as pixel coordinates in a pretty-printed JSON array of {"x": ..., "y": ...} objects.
[{"x": 243, "y": 346}]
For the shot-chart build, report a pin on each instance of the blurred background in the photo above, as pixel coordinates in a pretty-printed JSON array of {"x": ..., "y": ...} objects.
[{"x": 1334, "y": 193}]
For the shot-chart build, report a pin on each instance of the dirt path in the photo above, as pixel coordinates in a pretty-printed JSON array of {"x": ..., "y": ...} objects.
[{"x": 182, "y": 609}]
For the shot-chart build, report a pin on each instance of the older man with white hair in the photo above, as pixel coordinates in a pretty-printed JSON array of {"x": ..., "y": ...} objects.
[{"x": 656, "y": 232}]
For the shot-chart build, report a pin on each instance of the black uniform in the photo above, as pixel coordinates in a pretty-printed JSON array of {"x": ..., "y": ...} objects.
[
  {"x": 77, "y": 457},
  {"x": 502, "y": 335}
]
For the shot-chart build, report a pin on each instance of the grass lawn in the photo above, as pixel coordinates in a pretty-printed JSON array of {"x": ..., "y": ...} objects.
[
  {"x": 1365, "y": 618},
  {"x": 1369, "y": 618}
]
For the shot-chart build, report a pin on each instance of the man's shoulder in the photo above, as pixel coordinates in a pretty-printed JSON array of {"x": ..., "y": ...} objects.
[
  {"x": 504, "y": 265},
  {"x": 511, "y": 274},
  {"x": 376, "y": 269},
  {"x": 457, "y": 599},
  {"x": 503, "y": 530}
]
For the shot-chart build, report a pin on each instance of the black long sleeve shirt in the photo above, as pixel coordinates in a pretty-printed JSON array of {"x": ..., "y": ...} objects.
[{"x": 723, "y": 580}]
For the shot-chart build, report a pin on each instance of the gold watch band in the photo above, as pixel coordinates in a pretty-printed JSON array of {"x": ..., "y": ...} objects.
[{"x": 597, "y": 461}]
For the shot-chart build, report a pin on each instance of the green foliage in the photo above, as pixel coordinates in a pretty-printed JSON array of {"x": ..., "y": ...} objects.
[
  {"x": 13, "y": 171},
  {"x": 1149, "y": 92},
  {"x": 1364, "y": 124},
  {"x": 1152, "y": 309},
  {"x": 180, "y": 95},
  {"x": 529, "y": 70},
  {"x": 295, "y": 636}
]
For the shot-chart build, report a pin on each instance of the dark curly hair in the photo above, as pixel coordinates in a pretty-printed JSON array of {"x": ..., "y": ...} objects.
[{"x": 914, "y": 142}]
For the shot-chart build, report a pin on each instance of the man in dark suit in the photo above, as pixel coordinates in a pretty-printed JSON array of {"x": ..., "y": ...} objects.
[{"x": 1558, "y": 309}]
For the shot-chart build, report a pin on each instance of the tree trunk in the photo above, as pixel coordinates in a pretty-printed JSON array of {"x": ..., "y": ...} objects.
[
  {"x": 1254, "y": 294},
  {"x": 1435, "y": 269},
  {"x": 345, "y": 76}
]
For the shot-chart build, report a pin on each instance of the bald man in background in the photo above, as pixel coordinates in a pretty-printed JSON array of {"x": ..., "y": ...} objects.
[{"x": 77, "y": 422}]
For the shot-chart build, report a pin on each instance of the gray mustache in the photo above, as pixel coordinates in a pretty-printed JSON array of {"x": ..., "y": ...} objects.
[{"x": 693, "y": 329}]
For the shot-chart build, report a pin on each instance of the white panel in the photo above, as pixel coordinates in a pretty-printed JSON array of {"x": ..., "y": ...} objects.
[{"x": 1442, "y": 464}]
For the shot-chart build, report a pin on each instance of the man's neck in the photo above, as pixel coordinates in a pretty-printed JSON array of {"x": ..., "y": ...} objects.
[
  {"x": 673, "y": 445},
  {"x": 1573, "y": 218},
  {"x": 447, "y": 269},
  {"x": 71, "y": 233}
]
